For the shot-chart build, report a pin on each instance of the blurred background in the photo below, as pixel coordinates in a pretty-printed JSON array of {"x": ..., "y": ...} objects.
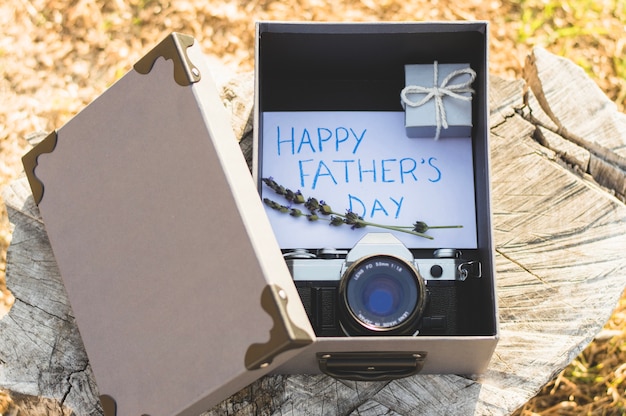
[{"x": 58, "y": 55}]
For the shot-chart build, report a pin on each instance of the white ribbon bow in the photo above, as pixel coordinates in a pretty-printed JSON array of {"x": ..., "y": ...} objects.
[{"x": 438, "y": 92}]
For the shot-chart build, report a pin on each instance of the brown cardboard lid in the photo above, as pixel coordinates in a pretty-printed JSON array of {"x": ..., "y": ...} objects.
[{"x": 176, "y": 281}]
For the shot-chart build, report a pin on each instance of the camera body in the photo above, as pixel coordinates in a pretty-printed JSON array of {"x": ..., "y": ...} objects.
[{"x": 379, "y": 288}]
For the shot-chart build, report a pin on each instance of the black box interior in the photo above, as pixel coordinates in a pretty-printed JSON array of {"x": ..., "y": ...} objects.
[{"x": 360, "y": 67}]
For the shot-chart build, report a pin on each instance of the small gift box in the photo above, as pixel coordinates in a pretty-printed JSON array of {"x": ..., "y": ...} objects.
[{"x": 438, "y": 100}]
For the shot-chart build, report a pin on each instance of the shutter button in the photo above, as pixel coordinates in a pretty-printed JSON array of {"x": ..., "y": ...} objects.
[{"x": 436, "y": 271}]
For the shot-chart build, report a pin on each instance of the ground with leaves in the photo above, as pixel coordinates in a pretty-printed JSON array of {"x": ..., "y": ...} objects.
[{"x": 58, "y": 55}]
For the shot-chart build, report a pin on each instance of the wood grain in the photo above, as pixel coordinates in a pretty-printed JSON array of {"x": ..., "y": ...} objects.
[
  {"x": 582, "y": 115},
  {"x": 560, "y": 269}
]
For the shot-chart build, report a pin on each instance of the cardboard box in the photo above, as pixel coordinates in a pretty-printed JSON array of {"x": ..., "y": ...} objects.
[
  {"x": 145, "y": 193},
  {"x": 430, "y": 115},
  {"x": 311, "y": 78}
]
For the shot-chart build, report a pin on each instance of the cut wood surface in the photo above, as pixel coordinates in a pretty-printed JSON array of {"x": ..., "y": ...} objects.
[
  {"x": 592, "y": 128},
  {"x": 560, "y": 234}
]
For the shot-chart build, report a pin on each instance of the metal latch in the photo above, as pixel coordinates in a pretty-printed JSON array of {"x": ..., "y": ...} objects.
[
  {"x": 371, "y": 366},
  {"x": 470, "y": 269}
]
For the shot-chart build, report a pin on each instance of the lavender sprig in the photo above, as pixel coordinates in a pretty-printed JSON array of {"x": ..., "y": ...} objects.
[{"x": 320, "y": 210}]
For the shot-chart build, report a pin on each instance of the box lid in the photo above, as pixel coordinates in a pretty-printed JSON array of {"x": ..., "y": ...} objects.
[{"x": 176, "y": 281}]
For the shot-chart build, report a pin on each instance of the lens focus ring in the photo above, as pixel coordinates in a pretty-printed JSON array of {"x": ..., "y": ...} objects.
[{"x": 381, "y": 294}]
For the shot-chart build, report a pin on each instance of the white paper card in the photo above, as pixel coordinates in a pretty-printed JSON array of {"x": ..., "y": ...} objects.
[{"x": 363, "y": 162}]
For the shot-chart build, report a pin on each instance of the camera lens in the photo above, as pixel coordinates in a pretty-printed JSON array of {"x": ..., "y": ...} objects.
[{"x": 381, "y": 294}]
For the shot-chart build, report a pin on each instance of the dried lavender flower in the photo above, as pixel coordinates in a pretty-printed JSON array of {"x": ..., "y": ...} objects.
[
  {"x": 298, "y": 198},
  {"x": 296, "y": 212},
  {"x": 314, "y": 206},
  {"x": 420, "y": 227},
  {"x": 336, "y": 221},
  {"x": 290, "y": 195},
  {"x": 325, "y": 209},
  {"x": 275, "y": 205},
  {"x": 355, "y": 220}
]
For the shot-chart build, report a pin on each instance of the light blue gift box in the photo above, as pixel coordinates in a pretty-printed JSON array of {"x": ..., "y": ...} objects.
[{"x": 428, "y": 87}]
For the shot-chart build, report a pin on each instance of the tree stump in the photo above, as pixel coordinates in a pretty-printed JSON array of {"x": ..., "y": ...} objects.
[{"x": 560, "y": 231}]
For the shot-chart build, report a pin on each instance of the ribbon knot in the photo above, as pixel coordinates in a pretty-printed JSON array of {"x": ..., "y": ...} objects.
[{"x": 437, "y": 92}]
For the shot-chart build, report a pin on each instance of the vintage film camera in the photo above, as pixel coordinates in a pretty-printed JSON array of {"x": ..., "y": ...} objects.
[{"x": 379, "y": 288}]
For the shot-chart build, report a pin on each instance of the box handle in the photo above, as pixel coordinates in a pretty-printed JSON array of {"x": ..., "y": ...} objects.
[{"x": 371, "y": 366}]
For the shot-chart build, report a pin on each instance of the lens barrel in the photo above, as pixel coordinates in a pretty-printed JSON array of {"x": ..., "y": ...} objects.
[{"x": 381, "y": 295}]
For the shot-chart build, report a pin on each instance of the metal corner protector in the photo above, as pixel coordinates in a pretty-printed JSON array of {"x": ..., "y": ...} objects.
[
  {"x": 173, "y": 47},
  {"x": 284, "y": 335},
  {"x": 108, "y": 405},
  {"x": 29, "y": 161}
]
